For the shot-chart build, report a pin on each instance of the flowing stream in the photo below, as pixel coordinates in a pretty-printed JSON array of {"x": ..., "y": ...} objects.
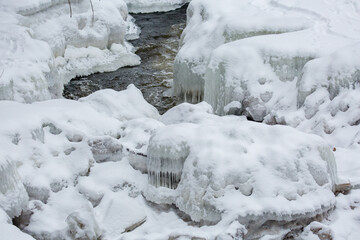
[{"x": 157, "y": 47}]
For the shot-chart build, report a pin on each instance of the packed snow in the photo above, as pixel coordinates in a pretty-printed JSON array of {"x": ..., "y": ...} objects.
[{"x": 109, "y": 166}]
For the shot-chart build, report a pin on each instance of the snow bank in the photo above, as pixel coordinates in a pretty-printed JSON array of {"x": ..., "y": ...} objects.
[
  {"x": 268, "y": 56},
  {"x": 229, "y": 168},
  {"x": 45, "y": 138},
  {"x": 147, "y": 6},
  {"x": 56, "y": 145},
  {"x": 43, "y": 47}
]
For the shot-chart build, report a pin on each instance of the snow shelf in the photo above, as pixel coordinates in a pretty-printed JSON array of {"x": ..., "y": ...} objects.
[
  {"x": 43, "y": 48},
  {"x": 266, "y": 55},
  {"x": 230, "y": 168}
]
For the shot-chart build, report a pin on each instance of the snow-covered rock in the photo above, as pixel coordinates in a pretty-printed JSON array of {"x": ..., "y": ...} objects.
[
  {"x": 53, "y": 142},
  {"x": 267, "y": 56},
  {"x": 64, "y": 209},
  {"x": 229, "y": 168},
  {"x": 43, "y": 47},
  {"x": 147, "y": 6}
]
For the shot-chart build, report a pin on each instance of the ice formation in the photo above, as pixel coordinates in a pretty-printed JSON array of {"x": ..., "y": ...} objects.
[
  {"x": 13, "y": 196},
  {"x": 234, "y": 169},
  {"x": 266, "y": 63},
  {"x": 147, "y": 6},
  {"x": 43, "y": 47}
]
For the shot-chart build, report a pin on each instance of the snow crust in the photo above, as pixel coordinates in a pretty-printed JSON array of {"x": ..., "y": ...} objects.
[
  {"x": 43, "y": 47},
  {"x": 147, "y": 6}
]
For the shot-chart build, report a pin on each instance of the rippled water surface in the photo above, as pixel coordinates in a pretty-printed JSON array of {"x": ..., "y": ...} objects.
[{"x": 157, "y": 47}]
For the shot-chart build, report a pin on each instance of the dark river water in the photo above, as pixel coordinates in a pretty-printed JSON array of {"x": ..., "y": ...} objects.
[{"x": 157, "y": 47}]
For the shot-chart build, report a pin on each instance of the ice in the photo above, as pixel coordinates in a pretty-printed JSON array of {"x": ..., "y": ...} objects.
[
  {"x": 265, "y": 56},
  {"x": 166, "y": 156},
  {"x": 44, "y": 48},
  {"x": 147, "y": 6},
  {"x": 13, "y": 196},
  {"x": 234, "y": 169}
]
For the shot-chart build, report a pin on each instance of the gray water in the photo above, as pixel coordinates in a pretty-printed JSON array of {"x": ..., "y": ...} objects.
[{"x": 157, "y": 47}]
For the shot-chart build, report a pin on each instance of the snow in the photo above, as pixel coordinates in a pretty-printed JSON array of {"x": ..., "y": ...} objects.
[
  {"x": 13, "y": 196},
  {"x": 43, "y": 48},
  {"x": 109, "y": 166},
  {"x": 266, "y": 62},
  {"x": 232, "y": 168},
  {"x": 147, "y": 6}
]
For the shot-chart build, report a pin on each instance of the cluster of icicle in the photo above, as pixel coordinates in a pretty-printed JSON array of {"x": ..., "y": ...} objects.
[{"x": 165, "y": 164}]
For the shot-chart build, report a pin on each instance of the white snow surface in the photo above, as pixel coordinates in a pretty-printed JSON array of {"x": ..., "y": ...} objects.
[
  {"x": 147, "y": 6},
  {"x": 269, "y": 59},
  {"x": 233, "y": 168},
  {"x": 43, "y": 47},
  {"x": 82, "y": 169}
]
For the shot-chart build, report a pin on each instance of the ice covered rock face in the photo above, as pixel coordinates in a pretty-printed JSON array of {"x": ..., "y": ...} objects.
[
  {"x": 44, "y": 48},
  {"x": 235, "y": 169},
  {"x": 266, "y": 58}
]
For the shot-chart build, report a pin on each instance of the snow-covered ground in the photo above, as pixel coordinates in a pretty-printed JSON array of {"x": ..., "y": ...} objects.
[
  {"x": 110, "y": 167},
  {"x": 43, "y": 48}
]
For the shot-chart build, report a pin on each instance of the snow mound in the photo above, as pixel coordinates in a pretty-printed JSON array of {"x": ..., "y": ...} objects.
[
  {"x": 148, "y": 6},
  {"x": 13, "y": 196},
  {"x": 270, "y": 57},
  {"x": 44, "y": 48},
  {"x": 65, "y": 209},
  {"x": 234, "y": 169},
  {"x": 56, "y": 141}
]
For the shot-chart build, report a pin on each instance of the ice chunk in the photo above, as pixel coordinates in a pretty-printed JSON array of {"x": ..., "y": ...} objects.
[
  {"x": 231, "y": 168},
  {"x": 166, "y": 156},
  {"x": 13, "y": 196}
]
